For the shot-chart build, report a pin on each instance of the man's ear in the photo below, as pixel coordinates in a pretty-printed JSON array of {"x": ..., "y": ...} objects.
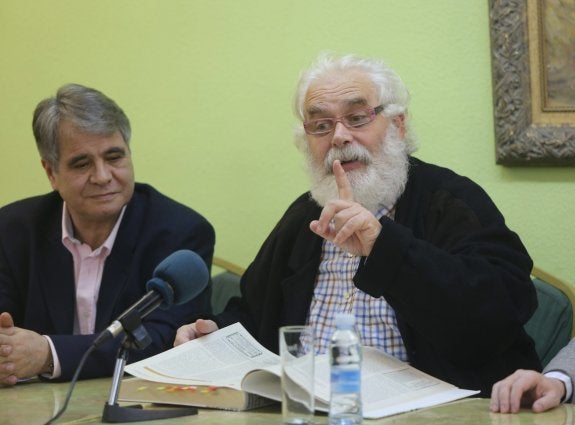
[
  {"x": 50, "y": 173},
  {"x": 399, "y": 122}
]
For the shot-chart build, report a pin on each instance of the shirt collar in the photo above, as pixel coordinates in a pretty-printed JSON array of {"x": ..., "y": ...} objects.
[{"x": 68, "y": 231}]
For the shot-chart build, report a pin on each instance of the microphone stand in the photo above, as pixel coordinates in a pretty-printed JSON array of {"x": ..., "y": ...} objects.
[{"x": 136, "y": 337}]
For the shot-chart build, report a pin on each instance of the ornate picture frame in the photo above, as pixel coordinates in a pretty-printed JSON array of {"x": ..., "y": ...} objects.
[{"x": 526, "y": 133}]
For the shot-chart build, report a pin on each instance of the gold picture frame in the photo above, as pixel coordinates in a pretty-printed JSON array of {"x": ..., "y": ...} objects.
[{"x": 532, "y": 125}]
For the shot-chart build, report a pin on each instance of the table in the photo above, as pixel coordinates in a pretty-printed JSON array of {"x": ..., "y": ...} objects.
[{"x": 35, "y": 402}]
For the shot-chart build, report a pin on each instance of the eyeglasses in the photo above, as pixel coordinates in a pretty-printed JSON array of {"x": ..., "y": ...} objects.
[{"x": 359, "y": 118}]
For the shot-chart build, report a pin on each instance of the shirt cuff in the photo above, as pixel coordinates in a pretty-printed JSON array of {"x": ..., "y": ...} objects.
[
  {"x": 566, "y": 379},
  {"x": 56, "y": 369}
]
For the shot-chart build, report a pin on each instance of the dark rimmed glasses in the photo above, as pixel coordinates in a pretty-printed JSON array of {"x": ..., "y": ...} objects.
[{"x": 359, "y": 118}]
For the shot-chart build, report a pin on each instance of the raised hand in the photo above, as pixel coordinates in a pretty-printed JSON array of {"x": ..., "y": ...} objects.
[{"x": 345, "y": 222}]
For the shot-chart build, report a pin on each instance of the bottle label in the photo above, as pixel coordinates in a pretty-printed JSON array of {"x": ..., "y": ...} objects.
[{"x": 345, "y": 380}]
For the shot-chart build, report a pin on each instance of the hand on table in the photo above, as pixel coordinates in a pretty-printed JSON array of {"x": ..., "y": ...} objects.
[
  {"x": 526, "y": 388},
  {"x": 23, "y": 353}
]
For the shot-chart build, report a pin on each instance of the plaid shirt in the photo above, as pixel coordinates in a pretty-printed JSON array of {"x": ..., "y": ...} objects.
[{"x": 335, "y": 292}]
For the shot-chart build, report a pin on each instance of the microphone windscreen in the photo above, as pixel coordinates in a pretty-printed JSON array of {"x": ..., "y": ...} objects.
[{"x": 186, "y": 275}]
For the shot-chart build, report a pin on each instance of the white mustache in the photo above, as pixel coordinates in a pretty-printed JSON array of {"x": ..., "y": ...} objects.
[{"x": 347, "y": 153}]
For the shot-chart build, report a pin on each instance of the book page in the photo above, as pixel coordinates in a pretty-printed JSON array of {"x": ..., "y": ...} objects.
[
  {"x": 221, "y": 358},
  {"x": 390, "y": 386}
]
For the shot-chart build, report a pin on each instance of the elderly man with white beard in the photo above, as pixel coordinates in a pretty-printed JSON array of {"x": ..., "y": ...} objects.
[{"x": 420, "y": 255}]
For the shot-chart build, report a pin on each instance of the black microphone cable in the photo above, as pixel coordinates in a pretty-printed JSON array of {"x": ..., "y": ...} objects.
[{"x": 72, "y": 385}]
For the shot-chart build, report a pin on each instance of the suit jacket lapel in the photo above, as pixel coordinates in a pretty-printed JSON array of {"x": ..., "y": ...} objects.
[
  {"x": 116, "y": 269},
  {"x": 56, "y": 266}
]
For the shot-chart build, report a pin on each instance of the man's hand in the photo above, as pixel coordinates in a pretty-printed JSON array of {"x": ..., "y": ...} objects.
[
  {"x": 344, "y": 222},
  {"x": 194, "y": 330},
  {"x": 526, "y": 388},
  {"x": 23, "y": 353},
  {"x": 6, "y": 369}
]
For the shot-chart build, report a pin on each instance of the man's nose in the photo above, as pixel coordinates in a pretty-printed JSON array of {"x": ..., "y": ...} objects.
[
  {"x": 101, "y": 174},
  {"x": 341, "y": 135}
]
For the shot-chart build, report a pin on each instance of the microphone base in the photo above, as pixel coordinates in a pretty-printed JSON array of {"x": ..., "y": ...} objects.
[{"x": 114, "y": 413}]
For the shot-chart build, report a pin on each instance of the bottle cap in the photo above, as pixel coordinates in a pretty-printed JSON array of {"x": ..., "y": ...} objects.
[{"x": 344, "y": 320}]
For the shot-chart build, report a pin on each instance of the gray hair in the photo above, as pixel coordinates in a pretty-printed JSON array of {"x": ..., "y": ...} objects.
[
  {"x": 391, "y": 91},
  {"x": 87, "y": 109}
]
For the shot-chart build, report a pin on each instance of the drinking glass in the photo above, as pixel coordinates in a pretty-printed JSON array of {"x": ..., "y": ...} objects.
[{"x": 297, "y": 361}]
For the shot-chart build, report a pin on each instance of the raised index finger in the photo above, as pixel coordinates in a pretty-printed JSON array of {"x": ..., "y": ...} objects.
[
  {"x": 343, "y": 185},
  {"x": 6, "y": 320}
]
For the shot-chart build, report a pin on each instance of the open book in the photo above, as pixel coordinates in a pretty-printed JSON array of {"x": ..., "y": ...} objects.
[{"x": 231, "y": 364}]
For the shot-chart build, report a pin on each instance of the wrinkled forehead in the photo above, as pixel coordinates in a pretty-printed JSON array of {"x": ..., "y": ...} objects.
[{"x": 339, "y": 91}]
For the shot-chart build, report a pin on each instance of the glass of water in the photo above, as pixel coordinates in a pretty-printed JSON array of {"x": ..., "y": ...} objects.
[{"x": 297, "y": 361}]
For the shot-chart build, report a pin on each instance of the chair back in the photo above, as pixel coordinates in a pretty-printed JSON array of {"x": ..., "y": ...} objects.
[
  {"x": 551, "y": 326},
  {"x": 225, "y": 283}
]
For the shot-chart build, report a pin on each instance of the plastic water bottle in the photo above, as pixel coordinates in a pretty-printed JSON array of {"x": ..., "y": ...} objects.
[{"x": 345, "y": 360}]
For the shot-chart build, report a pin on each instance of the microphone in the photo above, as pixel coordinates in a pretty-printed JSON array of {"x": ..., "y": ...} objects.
[{"x": 178, "y": 278}]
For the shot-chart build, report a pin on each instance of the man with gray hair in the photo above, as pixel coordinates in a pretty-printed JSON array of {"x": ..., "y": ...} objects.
[
  {"x": 420, "y": 255},
  {"x": 73, "y": 260}
]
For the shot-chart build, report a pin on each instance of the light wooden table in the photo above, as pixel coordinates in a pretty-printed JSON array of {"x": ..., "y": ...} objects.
[{"x": 34, "y": 403}]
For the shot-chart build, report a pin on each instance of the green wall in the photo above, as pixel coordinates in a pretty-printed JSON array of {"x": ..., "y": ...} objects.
[{"x": 208, "y": 86}]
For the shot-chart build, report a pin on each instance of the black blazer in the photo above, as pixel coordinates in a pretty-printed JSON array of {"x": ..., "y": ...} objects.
[{"x": 37, "y": 273}]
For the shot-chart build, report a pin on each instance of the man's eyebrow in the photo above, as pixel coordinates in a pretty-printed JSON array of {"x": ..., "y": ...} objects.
[
  {"x": 116, "y": 149},
  {"x": 75, "y": 159},
  {"x": 355, "y": 101},
  {"x": 314, "y": 110}
]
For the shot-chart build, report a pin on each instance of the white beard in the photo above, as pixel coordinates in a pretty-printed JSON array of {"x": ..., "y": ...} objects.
[{"x": 382, "y": 181}]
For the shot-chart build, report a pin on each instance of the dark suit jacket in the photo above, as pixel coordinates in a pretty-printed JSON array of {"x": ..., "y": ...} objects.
[
  {"x": 37, "y": 273},
  {"x": 455, "y": 275}
]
